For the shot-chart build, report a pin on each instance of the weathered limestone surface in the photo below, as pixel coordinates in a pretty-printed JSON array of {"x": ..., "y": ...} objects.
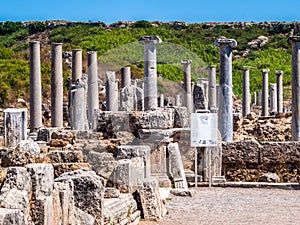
[
  {"x": 199, "y": 98},
  {"x": 176, "y": 166},
  {"x": 153, "y": 208},
  {"x": 88, "y": 192},
  {"x": 12, "y": 217},
  {"x": 248, "y": 160}
]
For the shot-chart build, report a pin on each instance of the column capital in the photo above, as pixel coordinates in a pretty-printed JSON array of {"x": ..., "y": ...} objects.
[
  {"x": 147, "y": 39},
  {"x": 293, "y": 39},
  {"x": 186, "y": 61},
  {"x": 225, "y": 41},
  {"x": 265, "y": 70},
  {"x": 34, "y": 42},
  {"x": 211, "y": 66},
  {"x": 56, "y": 44},
  {"x": 279, "y": 72}
]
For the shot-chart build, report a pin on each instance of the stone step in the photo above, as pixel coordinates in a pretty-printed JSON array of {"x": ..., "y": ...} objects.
[
  {"x": 122, "y": 210},
  {"x": 190, "y": 177}
]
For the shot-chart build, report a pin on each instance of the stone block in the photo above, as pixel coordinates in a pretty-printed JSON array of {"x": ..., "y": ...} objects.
[
  {"x": 181, "y": 117},
  {"x": 131, "y": 151},
  {"x": 102, "y": 163},
  {"x": 16, "y": 189},
  {"x": 127, "y": 98},
  {"x": 67, "y": 156},
  {"x": 129, "y": 174},
  {"x": 12, "y": 217},
  {"x": 111, "y": 193},
  {"x": 83, "y": 218},
  {"x": 88, "y": 192},
  {"x": 44, "y": 134},
  {"x": 60, "y": 168}
]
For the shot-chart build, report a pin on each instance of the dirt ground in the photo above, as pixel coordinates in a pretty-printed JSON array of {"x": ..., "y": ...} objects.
[{"x": 233, "y": 206}]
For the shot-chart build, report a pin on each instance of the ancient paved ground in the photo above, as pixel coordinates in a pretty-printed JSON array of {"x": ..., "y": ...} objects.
[{"x": 234, "y": 206}]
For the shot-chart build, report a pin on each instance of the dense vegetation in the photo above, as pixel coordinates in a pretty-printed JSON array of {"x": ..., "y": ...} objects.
[{"x": 118, "y": 47}]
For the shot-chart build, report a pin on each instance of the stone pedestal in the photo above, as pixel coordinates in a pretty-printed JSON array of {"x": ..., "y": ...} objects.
[
  {"x": 15, "y": 125},
  {"x": 225, "y": 95},
  {"x": 56, "y": 86},
  {"x": 35, "y": 87},
  {"x": 150, "y": 70}
]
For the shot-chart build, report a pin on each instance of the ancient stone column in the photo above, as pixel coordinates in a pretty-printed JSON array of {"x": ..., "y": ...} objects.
[
  {"x": 259, "y": 98},
  {"x": 255, "y": 98},
  {"x": 295, "y": 42},
  {"x": 279, "y": 91},
  {"x": 177, "y": 100},
  {"x": 225, "y": 99},
  {"x": 265, "y": 97},
  {"x": 212, "y": 90},
  {"x": 150, "y": 70},
  {"x": 161, "y": 100},
  {"x": 76, "y": 64},
  {"x": 125, "y": 77},
  {"x": 246, "y": 92},
  {"x": 187, "y": 98},
  {"x": 93, "y": 90},
  {"x": 111, "y": 97},
  {"x": 35, "y": 87},
  {"x": 273, "y": 98},
  {"x": 56, "y": 86}
]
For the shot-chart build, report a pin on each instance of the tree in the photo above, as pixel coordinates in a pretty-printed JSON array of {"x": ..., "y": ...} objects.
[{"x": 36, "y": 27}]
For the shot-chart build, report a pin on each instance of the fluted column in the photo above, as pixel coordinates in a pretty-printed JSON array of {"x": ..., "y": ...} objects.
[
  {"x": 225, "y": 115},
  {"x": 150, "y": 70},
  {"x": 56, "y": 86},
  {"x": 279, "y": 87},
  {"x": 93, "y": 90},
  {"x": 35, "y": 87},
  {"x": 295, "y": 42},
  {"x": 246, "y": 92},
  {"x": 265, "y": 97},
  {"x": 187, "y": 100}
]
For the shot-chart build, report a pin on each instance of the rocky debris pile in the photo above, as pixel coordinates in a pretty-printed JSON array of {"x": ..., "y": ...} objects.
[
  {"x": 276, "y": 128},
  {"x": 266, "y": 161},
  {"x": 258, "y": 42}
]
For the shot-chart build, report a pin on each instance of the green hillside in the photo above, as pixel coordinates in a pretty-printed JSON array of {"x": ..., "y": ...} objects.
[{"x": 117, "y": 46}]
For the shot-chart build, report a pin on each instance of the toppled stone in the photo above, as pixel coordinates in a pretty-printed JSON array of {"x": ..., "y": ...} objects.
[
  {"x": 151, "y": 203},
  {"x": 83, "y": 218},
  {"x": 182, "y": 192},
  {"x": 61, "y": 138},
  {"x": 88, "y": 192},
  {"x": 111, "y": 193},
  {"x": 269, "y": 177},
  {"x": 258, "y": 42},
  {"x": 67, "y": 156},
  {"x": 60, "y": 168},
  {"x": 44, "y": 134}
]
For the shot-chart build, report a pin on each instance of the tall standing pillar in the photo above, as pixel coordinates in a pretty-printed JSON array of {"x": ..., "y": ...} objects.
[
  {"x": 225, "y": 115},
  {"x": 254, "y": 98},
  {"x": 35, "y": 87},
  {"x": 93, "y": 90},
  {"x": 177, "y": 100},
  {"x": 187, "y": 100},
  {"x": 265, "y": 97},
  {"x": 295, "y": 41},
  {"x": 77, "y": 104},
  {"x": 279, "y": 91},
  {"x": 212, "y": 90},
  {"x": 125, "y": 77},
  {"x": 76, "y": 64},
  {"x": 56, "y": 86},
  {"x": 273, "y": 98},
  {"x": 111, "y": 93},
  {"x": 161, "y": 100},
  {"x": 150, "y": 70},
  {"x": 246, "y": 92}
]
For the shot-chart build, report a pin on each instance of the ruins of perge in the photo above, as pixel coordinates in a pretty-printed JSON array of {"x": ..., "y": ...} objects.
[{"x": 119, "y": 162}]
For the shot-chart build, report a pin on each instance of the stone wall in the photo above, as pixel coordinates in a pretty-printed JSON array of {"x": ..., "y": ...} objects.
[{"x": 253, "y": 161}]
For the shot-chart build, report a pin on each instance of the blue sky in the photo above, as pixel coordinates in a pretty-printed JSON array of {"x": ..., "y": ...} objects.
[{"x": 191, "y": 11}]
